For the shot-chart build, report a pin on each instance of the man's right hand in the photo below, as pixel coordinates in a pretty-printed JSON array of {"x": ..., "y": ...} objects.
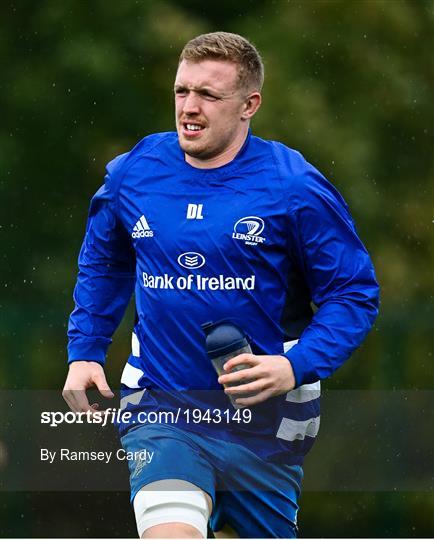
[{"x": 81, "y": 376}]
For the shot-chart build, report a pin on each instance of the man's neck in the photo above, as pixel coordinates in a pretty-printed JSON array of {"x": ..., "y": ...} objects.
[{"x": 221, "y": 159}]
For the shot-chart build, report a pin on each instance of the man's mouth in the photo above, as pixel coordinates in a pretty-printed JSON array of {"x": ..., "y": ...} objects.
[{"x": 192, "y": 127}]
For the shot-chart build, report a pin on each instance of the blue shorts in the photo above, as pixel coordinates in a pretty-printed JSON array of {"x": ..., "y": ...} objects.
[{"x": 256, "y": 498}]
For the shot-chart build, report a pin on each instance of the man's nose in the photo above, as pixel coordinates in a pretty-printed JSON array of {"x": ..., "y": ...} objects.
[{"x": 191, "y": 104}]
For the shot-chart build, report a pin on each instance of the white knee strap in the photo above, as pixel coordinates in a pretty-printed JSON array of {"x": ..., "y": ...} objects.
[{"x": 168, "y": 501}]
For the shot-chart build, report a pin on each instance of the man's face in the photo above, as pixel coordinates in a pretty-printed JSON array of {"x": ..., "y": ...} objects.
[{"x": 209, "y": 106}]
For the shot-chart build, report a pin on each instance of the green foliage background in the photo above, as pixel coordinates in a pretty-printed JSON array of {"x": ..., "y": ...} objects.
[{"x": 348, "y": 83}]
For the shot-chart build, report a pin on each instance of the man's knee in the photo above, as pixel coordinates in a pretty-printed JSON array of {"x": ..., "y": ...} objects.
[
  {"x": 172, "y": 508},
  {"x": 172, "y": 530}
]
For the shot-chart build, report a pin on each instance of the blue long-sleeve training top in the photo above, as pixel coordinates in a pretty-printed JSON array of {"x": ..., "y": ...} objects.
[{"x": 257, "y": 241}]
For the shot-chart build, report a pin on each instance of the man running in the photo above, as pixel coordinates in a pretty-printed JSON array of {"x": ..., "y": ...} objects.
[{"x": 213, "y": 223}]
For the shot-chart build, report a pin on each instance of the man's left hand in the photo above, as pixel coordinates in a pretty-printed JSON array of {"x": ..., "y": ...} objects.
[{"x": 269, "y": 375}]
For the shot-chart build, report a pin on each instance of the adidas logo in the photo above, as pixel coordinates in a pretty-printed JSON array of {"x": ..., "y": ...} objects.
[
  {"x": 140, "y": 463},
  {"x": 141, "y": 229}
]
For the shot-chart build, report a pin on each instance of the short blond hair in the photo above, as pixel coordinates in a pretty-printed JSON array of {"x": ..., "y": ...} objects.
[{"x": 232, "y": 48}]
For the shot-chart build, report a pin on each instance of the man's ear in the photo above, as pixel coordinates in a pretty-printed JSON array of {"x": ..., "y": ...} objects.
[{"x": 251, "y": 105}]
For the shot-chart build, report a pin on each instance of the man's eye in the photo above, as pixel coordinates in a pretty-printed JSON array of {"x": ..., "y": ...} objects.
[
  {"x": 209, "y": 97},
  {"x": 180, "y": 92}
]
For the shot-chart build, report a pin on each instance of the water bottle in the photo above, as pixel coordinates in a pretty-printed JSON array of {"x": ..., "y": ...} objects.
[{"x": 224, "y": 340}]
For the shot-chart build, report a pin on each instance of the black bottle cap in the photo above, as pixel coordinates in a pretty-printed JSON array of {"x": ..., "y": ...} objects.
[{"x": 223, "y": 337}]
